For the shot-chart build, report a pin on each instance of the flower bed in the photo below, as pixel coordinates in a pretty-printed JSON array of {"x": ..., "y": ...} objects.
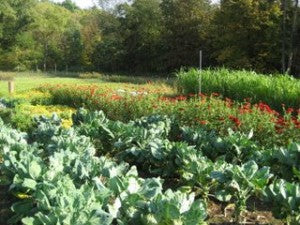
[{"x": 269, "y": 126}]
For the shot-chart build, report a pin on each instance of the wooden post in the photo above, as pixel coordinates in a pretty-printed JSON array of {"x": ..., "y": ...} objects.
[
  {"x": 11, "y": 87},
  {"x": 199, "y": 74}
]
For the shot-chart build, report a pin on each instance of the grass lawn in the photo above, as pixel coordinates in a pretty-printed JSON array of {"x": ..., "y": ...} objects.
[
  {"x": 27, "y": 81},
  {"x": 23, "y": 83}
]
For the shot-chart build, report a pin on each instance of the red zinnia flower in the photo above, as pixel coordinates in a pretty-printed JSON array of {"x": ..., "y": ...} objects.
[
  {"x": 180, "y": 98},
  {"x": 235, "y": 120},
  {"x": 215, "y": 94},
  {"x": 92, "y": 91},
  {"x": 289, "y": 110},
  {"x": 203, "y": 122},
  {"x": 202, "y": 95}
]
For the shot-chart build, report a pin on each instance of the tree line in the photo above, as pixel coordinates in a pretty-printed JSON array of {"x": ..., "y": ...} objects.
[{"x": 157, "y": 36}]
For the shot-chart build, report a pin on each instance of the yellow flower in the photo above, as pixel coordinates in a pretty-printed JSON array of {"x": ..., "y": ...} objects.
[
  {"x": 34, "y": 94},
  {"x": 67, "y": 123},
  {"x": 20, "y": 195},
  {"x": 37, "y": 110}
]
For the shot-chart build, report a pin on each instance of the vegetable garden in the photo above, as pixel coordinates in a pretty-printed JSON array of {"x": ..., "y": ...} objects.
[{"x": 140, "y": 154}]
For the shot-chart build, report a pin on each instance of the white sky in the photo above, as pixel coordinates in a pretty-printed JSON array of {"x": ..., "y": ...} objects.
[
  {"x": 81, "y": 3},
  {"x": 90, "y": 3}
]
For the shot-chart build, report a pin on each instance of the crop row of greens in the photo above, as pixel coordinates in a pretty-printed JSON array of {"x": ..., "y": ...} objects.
[
  {"x": 78, "y": 176},
  {"x": 231, "y": 168},
  {"x": 57, "y": 179},
  {"x": 240, "y": 85}
]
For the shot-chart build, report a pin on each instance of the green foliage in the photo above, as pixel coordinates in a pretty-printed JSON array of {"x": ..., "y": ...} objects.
[
  {"x": 286, "y": 160},
  {"x": 246, "y": 34},
  {"x": 15, "y": 16},
  {"x": 285, "y": 197},
  {"x": 143, "y": 143},
  {"x": 195, "y": 171},
  {"x": 145, "y": 35},
  {"x": 240, "y": 182},
  {"x": 19, "y": 111},
  {"x": 142, "y": 28},
  {"x": 49, "y": 23},
  {"x": 241, "y": 85},
  {"x": 59, "y": 179},
  {"x": 235, "y": 147},
  {"x": 70, "y": 5},
  {"x": 187, "y": 30},
  {"x": 81, "y": 171},
  {"x": 153, "y": 153}
]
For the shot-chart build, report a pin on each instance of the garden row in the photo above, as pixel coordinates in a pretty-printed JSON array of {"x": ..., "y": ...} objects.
[
  {"x": 59, "y": 180},
  {"x": 269, "y": 126},
  {"x": 109, "y": 171},
  {"x": 240, "y": 85}
]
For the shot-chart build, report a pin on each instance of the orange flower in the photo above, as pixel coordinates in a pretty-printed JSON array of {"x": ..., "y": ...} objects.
[{"x": 116, "y": 97}]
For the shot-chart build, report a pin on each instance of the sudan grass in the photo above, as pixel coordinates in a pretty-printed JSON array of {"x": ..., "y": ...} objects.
[{"x": 275, "y": 90}]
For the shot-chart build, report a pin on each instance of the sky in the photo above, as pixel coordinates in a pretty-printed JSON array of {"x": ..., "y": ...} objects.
[
  {"x": 90, "y": 3},
  {"x": 81, "y": 3}
]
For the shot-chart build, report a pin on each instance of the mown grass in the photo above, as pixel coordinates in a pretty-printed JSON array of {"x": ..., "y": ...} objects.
[
  {"x": 26, "y": 82},
  {"x": 29, "y": 80}
]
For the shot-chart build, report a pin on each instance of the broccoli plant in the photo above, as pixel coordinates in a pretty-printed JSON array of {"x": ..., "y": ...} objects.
[
  {"x": 285, "y": 197},
  {"x": 288, "y": 161},
  {"x": 235, "y": 148},
  {"x": 239, "y": 183},
  {"x": 175, "y": 208},
  {"x": 45, "y": 128},
  {"x": 195, "y": 170}
]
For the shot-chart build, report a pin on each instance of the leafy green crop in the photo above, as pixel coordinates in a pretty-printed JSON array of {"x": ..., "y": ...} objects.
[
  {"x": 235, "y": 148},
  {"x": 240, "y": 183},
  {"x": 289, "y": 160},
  {"x": 58, "y": 179},
  {"x": 285, "y": 198},
  {"x": 88, "y": 174}
]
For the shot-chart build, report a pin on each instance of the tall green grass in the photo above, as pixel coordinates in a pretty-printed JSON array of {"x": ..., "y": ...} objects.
[{"x": 274, "y": 90}]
